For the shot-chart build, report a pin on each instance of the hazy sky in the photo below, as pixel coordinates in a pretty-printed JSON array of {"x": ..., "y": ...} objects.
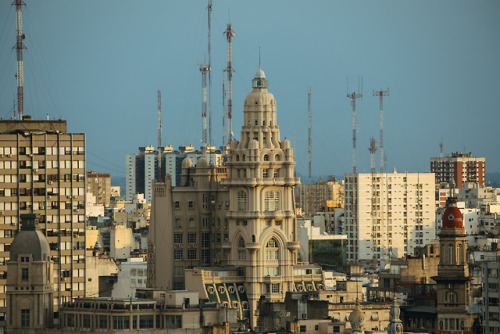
[{"x": 99, "y": 64}]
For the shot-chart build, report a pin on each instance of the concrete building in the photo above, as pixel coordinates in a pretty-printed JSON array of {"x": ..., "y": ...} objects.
[
  {"x": 387, "y": 215},
  {"x": 235, "y": 226},
  {"x": 99, "y": 185},
  {"x": 142, "y": 168},
  {"x": 459, "y": 167},
  {"x": 321, "y": 196},
  {"x": 491, "y": 297},
  {"x": 132, "y": 276},
  {"x": 42, "y": 171}
]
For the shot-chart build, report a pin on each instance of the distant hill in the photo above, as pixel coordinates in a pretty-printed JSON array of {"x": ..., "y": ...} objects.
[{"x": 493, "y": 179}]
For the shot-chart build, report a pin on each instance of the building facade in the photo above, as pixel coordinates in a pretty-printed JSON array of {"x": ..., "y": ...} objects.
[
  {"x": 99, "y": 185},
  {"x": 42, "y": 171},
  {"x": 459, "y": 167},
  {"x": 387, "y": 215},
  {"x": 239, "y": 219}
]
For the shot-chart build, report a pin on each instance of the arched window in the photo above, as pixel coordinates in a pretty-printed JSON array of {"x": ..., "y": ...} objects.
[
  {"x": 272, "y": 200},
  {"x": 242, "y": 252},
  {"x": 242, "y": 201},
  {"x": 237, "y": 157},
  {"x": 277, "y": 157},
  {"x": 451, "y": 297},
  {"x": 266, "y": 157},
  {"x": 450, "y": 254},
  {"x": 272, "y": 251},
  {"x": 460, "y": 259}
]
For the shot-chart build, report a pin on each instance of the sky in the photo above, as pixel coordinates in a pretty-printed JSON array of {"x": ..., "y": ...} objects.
[{"x": 99, "y": 65}]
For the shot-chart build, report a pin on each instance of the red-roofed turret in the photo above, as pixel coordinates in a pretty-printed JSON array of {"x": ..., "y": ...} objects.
[{"x": 452, "y": 217}]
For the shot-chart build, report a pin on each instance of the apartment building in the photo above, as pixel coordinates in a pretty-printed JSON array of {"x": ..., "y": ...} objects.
[
  {"x": 387, "y": 215},
  {"x": 42, "y": 171},
  {"x": 459, "y": 167},
  {"x": 321, "y": 196},
  {"x": 99, "y": 185}
]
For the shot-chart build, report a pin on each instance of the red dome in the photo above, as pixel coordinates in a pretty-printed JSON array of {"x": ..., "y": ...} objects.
[{"x": 452, "y": 218}]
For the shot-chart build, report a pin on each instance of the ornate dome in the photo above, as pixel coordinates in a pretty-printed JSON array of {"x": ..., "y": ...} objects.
[
  {"x": 452, "y": 217},
  {"x": 357, "y": 318},
  {"x": 202, "y": 163},
  {"x": 30, "y": 240},
  {"x": 187, "y": 163}
]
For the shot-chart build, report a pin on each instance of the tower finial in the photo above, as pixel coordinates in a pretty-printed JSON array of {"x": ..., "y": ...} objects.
[{"x": 259, "y": 59}]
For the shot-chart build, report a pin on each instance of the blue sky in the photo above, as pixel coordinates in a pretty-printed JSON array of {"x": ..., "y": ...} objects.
[{"x": 99, "y": 65}]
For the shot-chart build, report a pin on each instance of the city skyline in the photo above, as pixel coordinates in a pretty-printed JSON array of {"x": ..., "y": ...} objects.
[{"x": 99, "y": 66}]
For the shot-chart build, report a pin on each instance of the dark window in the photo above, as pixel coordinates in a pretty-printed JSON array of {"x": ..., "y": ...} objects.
[
  {"x": 25, "y": 274},
  {"x": 146, "y": 321},
  {"x": 303, "y": 329},
  {"x": 25, "y": 318}
]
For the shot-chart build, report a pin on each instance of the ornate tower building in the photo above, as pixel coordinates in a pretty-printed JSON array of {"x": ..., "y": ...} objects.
[
  {"x": 30, "y": 280},
  {"x": 260, "y": 179},
  {"x": 453, "y": 280}
]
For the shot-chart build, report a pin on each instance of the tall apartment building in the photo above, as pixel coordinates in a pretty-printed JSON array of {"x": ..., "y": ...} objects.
[
  {"x": 42, "y": 171},
  {"x": 321, "y": 196},
  {"x": 142, "y": 168},
  {"x": 459, "y": 167},
  {"x": 491, "y": 296},
  {"x": 230, "y": 232},
  {"x": 99, "y": 185},
  {"x": 387, "y": 215}
]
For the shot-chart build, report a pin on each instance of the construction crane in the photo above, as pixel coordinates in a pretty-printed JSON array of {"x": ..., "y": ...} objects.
[
  {"x": 229, "y": 33},
  {"x": 309, "y": 142},
  {"x": 381, "y": 93},
  {"x": 159, "y": 135},
  {"x": 19, "y": 50}
]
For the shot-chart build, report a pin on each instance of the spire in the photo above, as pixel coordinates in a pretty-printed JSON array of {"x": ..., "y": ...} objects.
[{"x": 395, "y": 323}]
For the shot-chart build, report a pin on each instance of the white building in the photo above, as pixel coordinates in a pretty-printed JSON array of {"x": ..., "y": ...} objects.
[
  {"x": 132, "y": 276},
  {"x": 142, "y": 168},
  {"x": 387, "y": 215}
]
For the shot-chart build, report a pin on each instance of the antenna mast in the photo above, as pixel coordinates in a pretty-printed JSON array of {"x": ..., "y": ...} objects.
[
  {"x": 19, "y": 48},
  {"x": 381, "y": 93},
  {"x": 441, "y": 145},
  {"x": 353, "y": 96},
  {"x": 309, "y": 116},
  {"x": 372, "y": 149},
  {"x": 209, "y": 71},
  {"x": 224, "y": 127},
  {"x": 159, "y": 135},
  {"x": 204, "y": 69},
  {"x": 229, "y": 70}
]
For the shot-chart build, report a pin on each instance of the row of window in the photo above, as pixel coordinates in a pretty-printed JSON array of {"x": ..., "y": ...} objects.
[{"x": 118, "y": 322}]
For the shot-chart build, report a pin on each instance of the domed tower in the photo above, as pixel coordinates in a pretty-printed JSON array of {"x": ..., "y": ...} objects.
[
  {"x": 357, "y": 319},
  {"x": 395, "y": 324},
  {"x": 262, "y": 228},
  {"x": 30, "y": 279},
  {"x": 453, "y": 280}
]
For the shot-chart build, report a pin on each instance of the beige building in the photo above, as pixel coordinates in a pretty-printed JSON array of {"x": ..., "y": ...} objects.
[
  {"x": 240, "y": 218},
  {"x": 99, "y": 184},
  {"x": 321, "y": 196},
  {"x": 42, "y": 171},
  {"x": 387, "y": 215}
]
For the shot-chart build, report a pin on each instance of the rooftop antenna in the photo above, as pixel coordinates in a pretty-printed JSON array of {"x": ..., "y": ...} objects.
[
  {"x": 353, "y": 96},
  {"x": 159, "y": 135},
  {"x": 209, "y": 8},
  {"x": 229, "y": 33},
  {"x": 309, "y": 117},
  {"x": 19, "y": 48},
  {"x": 224, "y": 127},
  {"x": 441, "y": 145},
  {"x": 372, "y": 149},
  {"x": 381, "y": 93},
  {"x": 204, "y": 69}
]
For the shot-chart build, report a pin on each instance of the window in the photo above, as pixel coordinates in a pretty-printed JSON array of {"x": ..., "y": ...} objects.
[
  {"x": 103, "y": 321},
  {"x": 191, "y": 223},
  {"x": 191, "y": 254},
  {"x": 25, "y": 318},
  {"x": 277, "y": 157},
  {"x": 272, "y": 271},
  {"x": 173, "y": 321},
  {"x": 276, "y": 173},
  {"x": 205, "y": 240},
  {"x": 275, "y": 288},
  {"x": 272, "y": 200},
  {"x": 178, "y": 238},
  {"x": 242, "y": 252},
  {"x": 272, "y": 251},
  {"x": 242, "y": 201},
  {"x": 303, "y": 328},
  {"x": 266, "y": 157},
  {"x": 192, "y": 238},
  {"x": 25, "y": 274},
  {"x": 119, "y": 322},
  {"x": 190, "y": 204},
  {"x": 178, "y": 254},
  {"x": 177, "y": 204},
  {"x": 146, "y": 321},
  {"x": 178, "y": 271},
  {"x": 178, "y": 223},
  {"x": 265, "y": 174}
]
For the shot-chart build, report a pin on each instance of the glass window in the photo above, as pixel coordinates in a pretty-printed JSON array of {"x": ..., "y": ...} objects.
[
  {"x": 178, "y": 238},
  {"x": 25, "y": 318},
  {"x": 178, "y": 254},
  {"x": 191, "y": 254},
  {"x": 272, "y": 200},
  {"x": 242, "y": 201},
  {"x": 192, "y": 238}
]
